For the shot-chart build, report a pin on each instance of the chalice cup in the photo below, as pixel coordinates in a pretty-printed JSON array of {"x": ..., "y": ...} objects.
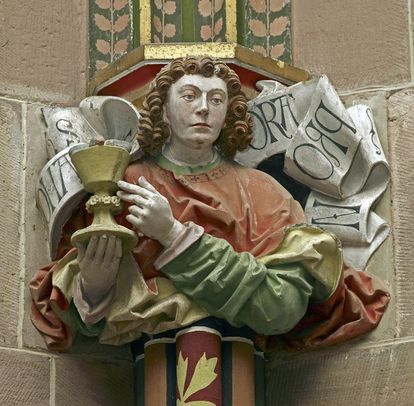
[{"x": 100, "y": 167}]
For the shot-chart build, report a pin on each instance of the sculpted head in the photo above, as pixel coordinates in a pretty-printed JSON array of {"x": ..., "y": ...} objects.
[{"x": 198, "y": 101}]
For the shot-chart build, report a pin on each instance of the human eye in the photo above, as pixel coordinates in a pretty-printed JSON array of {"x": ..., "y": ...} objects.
[
  {"x": 188, "y": 96},
  {"x": 216, "y": 100}
]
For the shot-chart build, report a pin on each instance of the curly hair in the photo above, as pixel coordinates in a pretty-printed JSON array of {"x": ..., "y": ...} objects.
[{"x": 237, "y": 130}]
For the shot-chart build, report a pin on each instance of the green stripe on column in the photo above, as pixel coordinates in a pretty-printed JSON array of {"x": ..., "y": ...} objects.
[
  {"x": 171, "y": 374},
  {"x": 188, "y": 34},
  {"x": 139, "y": 381},
  {"x": 260, "y": 379},
  {"x": 226, "y": 372},
  {"x": 241, "y": 22}
]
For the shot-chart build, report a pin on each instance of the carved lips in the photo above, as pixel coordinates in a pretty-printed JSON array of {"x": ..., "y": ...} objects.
[{"x": 205, "y": 125}]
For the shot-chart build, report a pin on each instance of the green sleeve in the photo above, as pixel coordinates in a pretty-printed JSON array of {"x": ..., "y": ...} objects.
[{"x": 238, "y": 288}]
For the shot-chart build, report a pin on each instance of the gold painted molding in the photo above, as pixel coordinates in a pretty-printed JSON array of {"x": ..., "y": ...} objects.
[
  {"x": 231, "y": 20},
  {"x": 179, "y": 50},
  {"x": 145, "y": 21},
  {"x": 228, "y": 51}
]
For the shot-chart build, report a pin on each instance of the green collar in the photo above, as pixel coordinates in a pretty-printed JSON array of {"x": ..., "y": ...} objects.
[{"x": 164, "y": 163}]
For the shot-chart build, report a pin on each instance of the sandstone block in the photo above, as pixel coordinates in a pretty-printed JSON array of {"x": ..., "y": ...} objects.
[
  {"x": 93, "y": 383},
  {"x": 401, "y": 129},
  {"x": 359, "y": 44},
  {"x": 11, "y": 147},
  {"x": 44, "y": 50},
  {"x": 342, "y": 377},
  {"x": 36, "y": 243},
  {"x": 24, "y": 379}
]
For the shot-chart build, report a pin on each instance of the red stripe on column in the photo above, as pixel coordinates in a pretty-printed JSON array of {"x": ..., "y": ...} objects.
[{"x": 199, "y": 356}]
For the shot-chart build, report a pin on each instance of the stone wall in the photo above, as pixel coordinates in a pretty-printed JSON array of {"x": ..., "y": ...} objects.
[
  {"x": 43, "y": 61},
  {"x": 365, "y": 47}
]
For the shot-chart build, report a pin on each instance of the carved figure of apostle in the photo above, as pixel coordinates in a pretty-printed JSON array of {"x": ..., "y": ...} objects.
[{"x": 224, "y": 261}]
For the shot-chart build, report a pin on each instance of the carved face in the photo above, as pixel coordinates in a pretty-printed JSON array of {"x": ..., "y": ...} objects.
[{"x": 196, "y": 109}]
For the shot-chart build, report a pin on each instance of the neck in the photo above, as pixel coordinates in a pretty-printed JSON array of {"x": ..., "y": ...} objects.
[{"x": 186, "y": 156}]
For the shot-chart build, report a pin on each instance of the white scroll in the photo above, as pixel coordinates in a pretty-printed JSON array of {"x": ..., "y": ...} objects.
[
  {"x": 274, "y": 116},
  {"x": 59, "y": 189},
  {"x": 106, "y": 116},
  {"x": 324, "y": 144},
  {"x": 334, "y": 151}
]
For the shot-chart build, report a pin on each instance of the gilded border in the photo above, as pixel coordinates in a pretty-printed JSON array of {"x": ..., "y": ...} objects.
[
  {"x": 230, "y": 52},
  {"x": 231, "y": 21},
  {"x": 145, "y": 21}
]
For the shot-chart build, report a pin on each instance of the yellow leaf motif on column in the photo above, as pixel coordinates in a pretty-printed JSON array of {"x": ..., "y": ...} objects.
[
  {"x": 181, "y": 374},
  {"x": 204, "y": 375}
]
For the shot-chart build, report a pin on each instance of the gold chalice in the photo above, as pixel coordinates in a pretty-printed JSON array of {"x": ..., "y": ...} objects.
[{"x": 100, "y": 167}]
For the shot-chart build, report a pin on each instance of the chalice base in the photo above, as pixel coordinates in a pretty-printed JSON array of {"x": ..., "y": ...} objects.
[{"x": 127, "y": 236}]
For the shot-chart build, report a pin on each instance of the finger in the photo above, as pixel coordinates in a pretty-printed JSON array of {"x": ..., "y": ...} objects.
[
  {"x": 145, "y": 184},
  {"x": 135, "y": 189},
  {"x": 137, "y": 211},
  {"x": 101, "y": 248},
  {"x": 135, "y": 221},
  {"x": 91, "y": 248},
  {"x": 132, "y": 198},
  {"x": 81, "y": 251},
  {"x": 110, "y": 249},
  {"x": 118, "y": 252}
]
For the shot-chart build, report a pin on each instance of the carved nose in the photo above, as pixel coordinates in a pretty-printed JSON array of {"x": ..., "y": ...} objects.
[{"x": 203, "y": 105}]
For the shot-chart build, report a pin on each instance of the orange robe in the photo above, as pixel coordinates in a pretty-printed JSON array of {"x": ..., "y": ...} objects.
[{"x": 249, "y": 210}]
